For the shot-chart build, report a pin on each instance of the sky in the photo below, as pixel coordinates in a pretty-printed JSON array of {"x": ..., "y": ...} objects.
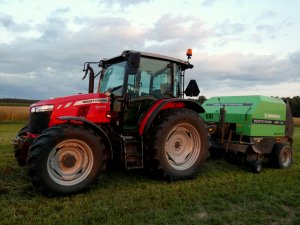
[{"x": 240, "y": 47}]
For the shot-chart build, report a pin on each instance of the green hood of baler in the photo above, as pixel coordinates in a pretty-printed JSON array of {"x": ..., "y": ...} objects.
[{"x": 253, "y": 115}]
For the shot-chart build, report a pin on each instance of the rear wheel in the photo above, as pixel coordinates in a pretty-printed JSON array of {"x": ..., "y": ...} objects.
[
  {"x": 178, "y": 144},
  {"x": 281, "y": 156},
  {"x": 65, "y": 159}
]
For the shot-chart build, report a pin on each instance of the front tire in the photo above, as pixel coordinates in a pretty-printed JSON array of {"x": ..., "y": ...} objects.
[
  {"x": 21, "y": 146},
  {"x": 65, "y": 159},
  {"x": 178, "y": 144}
]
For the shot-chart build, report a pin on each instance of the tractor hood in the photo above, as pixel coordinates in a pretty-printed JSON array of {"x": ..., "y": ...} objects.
[
  {"x": 92, "y": 107},
  {"x": 73, "y": 99}
]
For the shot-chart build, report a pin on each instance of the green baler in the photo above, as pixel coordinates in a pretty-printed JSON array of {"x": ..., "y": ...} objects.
[{"x": 250, "y": 128}]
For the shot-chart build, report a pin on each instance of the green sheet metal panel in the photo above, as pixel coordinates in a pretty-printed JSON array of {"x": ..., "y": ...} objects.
[{"x": 253, "y": 115}]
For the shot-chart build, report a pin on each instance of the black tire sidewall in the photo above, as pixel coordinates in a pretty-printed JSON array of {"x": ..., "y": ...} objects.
[
  {"x": 63, "y": 134},
  {"x": 276, "y": 158},
  {"x": 281, "y": 153},
  {"x": 182, "y": 116}
]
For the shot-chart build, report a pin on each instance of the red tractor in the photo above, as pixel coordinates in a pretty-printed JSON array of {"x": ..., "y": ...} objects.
[{"x": 138, "y": 117}]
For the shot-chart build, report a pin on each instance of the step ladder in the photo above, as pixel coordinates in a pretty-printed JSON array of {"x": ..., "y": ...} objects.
[{"x": 133, "y": 152}]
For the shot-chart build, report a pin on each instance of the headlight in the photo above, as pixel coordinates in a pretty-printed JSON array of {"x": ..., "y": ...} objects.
[{"x": 42, "y": 108}]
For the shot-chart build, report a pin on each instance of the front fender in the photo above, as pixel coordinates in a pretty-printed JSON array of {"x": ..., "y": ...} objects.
[{"x": 93, "y": 126}]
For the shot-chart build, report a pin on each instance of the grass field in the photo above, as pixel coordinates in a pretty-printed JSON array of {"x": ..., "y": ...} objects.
[{"x": 221, "y": 194}]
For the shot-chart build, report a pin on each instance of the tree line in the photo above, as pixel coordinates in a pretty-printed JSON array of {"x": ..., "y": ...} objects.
[
  {"x": 17, "y": 101},
  {"x": 294, "y": 104}
]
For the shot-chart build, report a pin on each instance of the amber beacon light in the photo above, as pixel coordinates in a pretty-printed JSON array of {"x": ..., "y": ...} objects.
[{"x": 189, "y": 53}]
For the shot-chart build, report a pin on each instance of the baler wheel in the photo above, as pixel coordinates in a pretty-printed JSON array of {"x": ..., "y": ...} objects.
[
  {"x": 177, "y": 144},
  {"x": 65, "y": 159},
  {"x": 281, "y": 156},
  {"x": 256, "y": 166}
]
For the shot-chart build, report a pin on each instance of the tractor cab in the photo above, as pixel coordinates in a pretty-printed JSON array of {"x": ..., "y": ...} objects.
[{"x": 134, "y": 81}]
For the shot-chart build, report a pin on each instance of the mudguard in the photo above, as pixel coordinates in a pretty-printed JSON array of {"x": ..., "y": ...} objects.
[
  {"x": 163, "y": 104},
  {"x": 93, "y": 126}
]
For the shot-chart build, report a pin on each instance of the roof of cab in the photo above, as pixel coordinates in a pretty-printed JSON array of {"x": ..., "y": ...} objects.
[{"x": 149, "y": 55}]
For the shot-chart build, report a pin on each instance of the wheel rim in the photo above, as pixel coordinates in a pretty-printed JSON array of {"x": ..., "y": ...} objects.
[
  {"x": 70, "y": 162},
  {"x": 183, "y": 146},
  {"x": 286, "y": 158}
]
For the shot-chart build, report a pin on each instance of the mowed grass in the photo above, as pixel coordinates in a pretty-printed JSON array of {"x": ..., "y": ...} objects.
[
  {"x": 14, "y": 113},
  {"x": 221, "y": 194}
]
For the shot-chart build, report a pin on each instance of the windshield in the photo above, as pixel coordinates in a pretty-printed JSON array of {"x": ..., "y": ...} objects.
[{"x": 113, "y": 78}]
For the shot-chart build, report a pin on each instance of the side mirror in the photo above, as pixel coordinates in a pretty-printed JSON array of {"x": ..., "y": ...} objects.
[
  {"x": 192, "y": 89},
  {"x": 134, "y": 62}
]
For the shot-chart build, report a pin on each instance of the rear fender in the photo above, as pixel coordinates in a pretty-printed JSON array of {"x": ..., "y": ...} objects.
[
  {"x": 93, "y": 126},
  {"x": 164, "y": 104}
]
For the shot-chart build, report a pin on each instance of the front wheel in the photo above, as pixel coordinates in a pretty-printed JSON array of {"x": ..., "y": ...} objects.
[
  {"x": 177, "y": 144},
  {"x": 21, "y": 146},
  {"x": 65, "y": 159}
]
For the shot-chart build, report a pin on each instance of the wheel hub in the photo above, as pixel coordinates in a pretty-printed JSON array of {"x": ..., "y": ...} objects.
[
  {"x": 182, "y": 146},
  {"x": 68, "y": 161},
  {"x": 178, "y": 144}
]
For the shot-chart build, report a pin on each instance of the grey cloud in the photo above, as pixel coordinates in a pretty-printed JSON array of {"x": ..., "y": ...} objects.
[
  {"x": 51, "y": 65},
  {"x": 239, "y": 72},
  {"x": 266, "y": 28},
  {"x": 173, "y": 29},
  {"x": 123, "y": 4},
  {"x": 295, "y": 58},
  {"x": 6, "y": 20},
  {"x": 208, "y": 2},
  {"x": 228, "y": 28},
  {"x": 267, "y": 15}
]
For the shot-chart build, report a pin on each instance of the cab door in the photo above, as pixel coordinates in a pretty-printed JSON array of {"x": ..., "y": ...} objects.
[{"x": 154, "y": 80}]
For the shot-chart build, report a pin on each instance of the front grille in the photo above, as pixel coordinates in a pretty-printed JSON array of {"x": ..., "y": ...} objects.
[{"x": 38, "y": 122}]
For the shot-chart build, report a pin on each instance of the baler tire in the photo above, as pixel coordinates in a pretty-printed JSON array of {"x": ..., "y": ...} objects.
[
  {"x": 65, "y": 159},
  {"x": 177, "y": 144},
  {"x": 256, "y": 166},
  {"x": 281, "y": 156},
  {"x": 20, "y": 154}
]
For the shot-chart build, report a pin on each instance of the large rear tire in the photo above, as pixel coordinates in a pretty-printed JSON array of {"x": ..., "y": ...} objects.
[
  {"x": 177, "y": 144},
  {"x": 65, "y": 159}
]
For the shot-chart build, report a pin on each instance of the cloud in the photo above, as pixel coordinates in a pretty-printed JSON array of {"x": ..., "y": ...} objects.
[
  {"x": 123, "y": 4},
  {"x": 50, "y": 64},
  {"x": 207, "y": 3},
  {"x": 267, "y": 15},
  {"x": 240, "y": 74},
  {"x": 172, "y": 34},
  {"x": 7, "y": 22},
  {"x": 26, "y": 62},
  {"x": 230, "y": 28}
]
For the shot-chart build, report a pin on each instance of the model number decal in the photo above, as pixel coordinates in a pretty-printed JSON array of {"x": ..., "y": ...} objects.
[
  {"x": 273, "y": 122},
  {"x": 90, "y": 101},
  {"x": 229, "y": 104}
]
